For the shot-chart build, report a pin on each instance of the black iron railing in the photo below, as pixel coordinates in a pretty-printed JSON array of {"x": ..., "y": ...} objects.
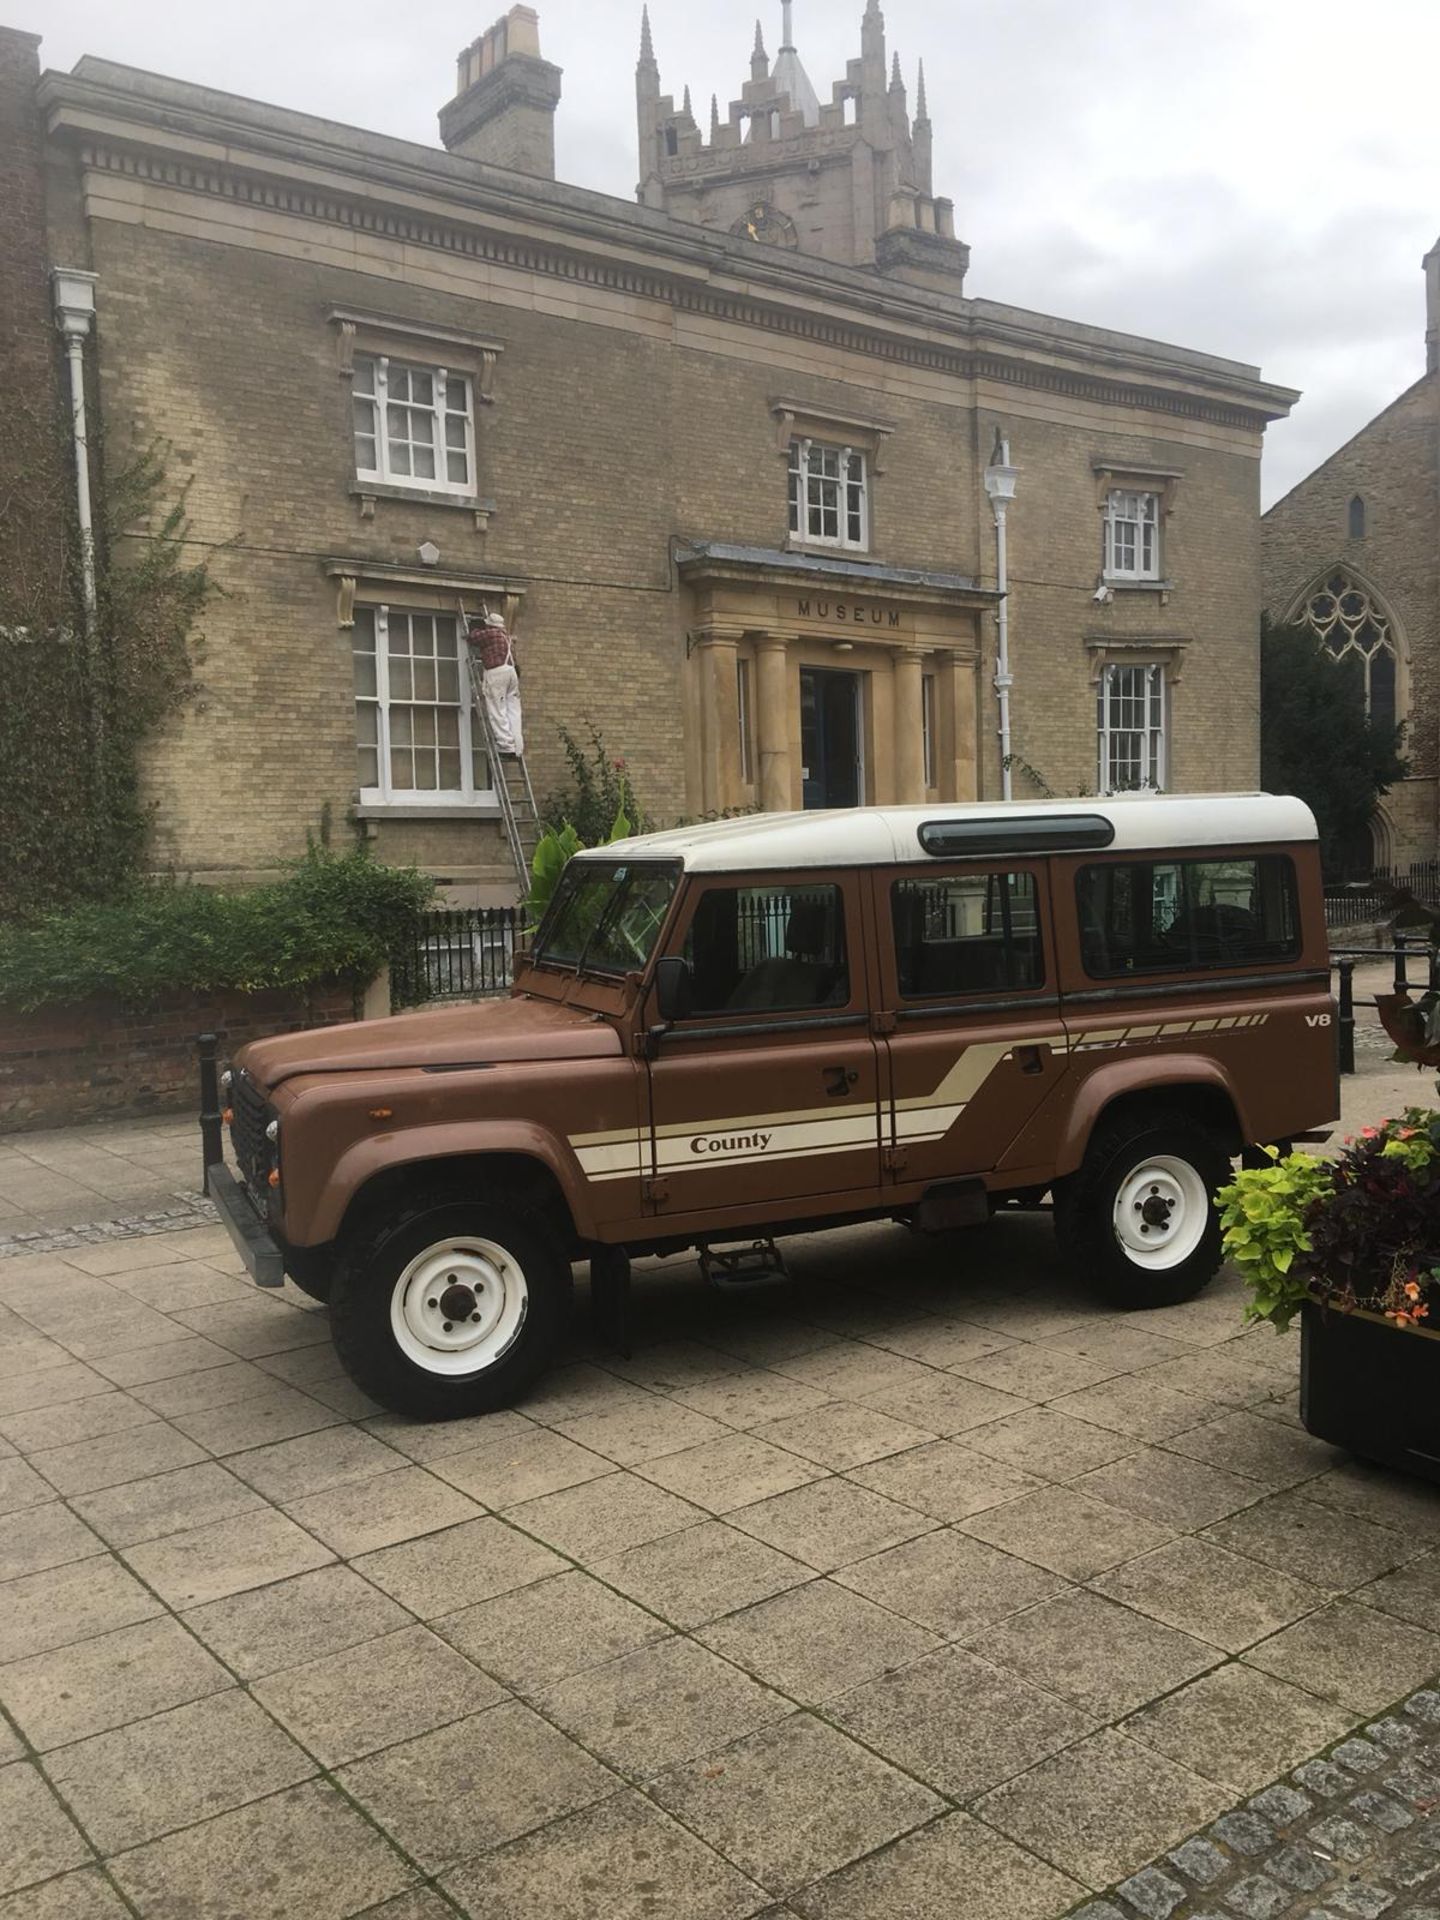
[
  {"x": 1416, "y": 967},
  {"x": 456, "y": 953},
  {"x": 1362, "y": 902}
]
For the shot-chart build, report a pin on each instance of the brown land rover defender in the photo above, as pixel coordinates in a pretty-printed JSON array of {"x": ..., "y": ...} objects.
[{"x": 754, "y": 1027}]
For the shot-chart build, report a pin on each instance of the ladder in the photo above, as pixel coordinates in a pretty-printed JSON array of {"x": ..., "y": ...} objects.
[{"x": 518, "y": 812}]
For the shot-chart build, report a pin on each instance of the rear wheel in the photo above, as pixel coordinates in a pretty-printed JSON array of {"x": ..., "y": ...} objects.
[
  {"x": 1139, "y": 1217},
  {"x": 450, "y": 1309}
]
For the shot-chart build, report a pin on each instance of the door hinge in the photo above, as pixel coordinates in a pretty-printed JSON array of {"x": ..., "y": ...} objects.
[
  {"x": 895, "y": 1159},
  {"x": 883, "y": 1023},
  {"x": 655, "y": 1191}
]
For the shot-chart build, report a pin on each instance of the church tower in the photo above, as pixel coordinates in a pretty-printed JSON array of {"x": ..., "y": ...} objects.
[{"x": 848, "y": 179}]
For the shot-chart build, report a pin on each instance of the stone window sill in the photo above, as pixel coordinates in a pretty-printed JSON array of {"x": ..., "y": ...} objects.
[
  {"x": 402, "y": 810},
  {"x": 369, "y": 492}
]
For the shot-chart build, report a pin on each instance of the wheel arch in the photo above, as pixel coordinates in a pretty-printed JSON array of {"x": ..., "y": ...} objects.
[
  {"x": 521, "y": 1179},
  {"x": 1195, "y": 1086}
]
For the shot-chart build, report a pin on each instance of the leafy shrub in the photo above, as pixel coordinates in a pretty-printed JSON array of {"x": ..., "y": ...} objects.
[
  {"x": 1361, "y": 1231},
  {"x": 1263, "y": 1213},
  {"x": 599, "y": 791},
  {"x": 554, "y": 854},
  {"x": 331, "y": 917}
]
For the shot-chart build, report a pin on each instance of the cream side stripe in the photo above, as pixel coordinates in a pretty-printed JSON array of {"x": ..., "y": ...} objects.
[{"x": 620, "y": 1154}]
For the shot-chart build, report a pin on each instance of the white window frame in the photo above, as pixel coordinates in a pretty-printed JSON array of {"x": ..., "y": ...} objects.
[
  {"x": 1141, "y": 736},
  {"x": 440, "y": 413},
  {"x": 843, "y": 494},
  {"x": 1132, "y": 533},
  {"x": 386, "y": 794}
]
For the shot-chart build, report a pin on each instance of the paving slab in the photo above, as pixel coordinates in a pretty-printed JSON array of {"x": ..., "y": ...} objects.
[
  {"x": 650, "y": 1709},
  {"x": 377, "y": 1694},
  {"x": 954, "y": 1869},
  {"x": 958, "y": 1722},
  {"x": 1102, "y": 1808},
  {"x": 72, "y": 1692},
  {"x": 175, "y": 1768},
  {"x": 818, "y": 1641},
  {"x": 333, "y": 1863},
  {"x": 1239, "y": 1727},
  {"x": 464, "y": 1788},
  {"x": 295, "y": 1621},
  {"x": 37, "y": 1836},
  {"x": 625, "y": 1853},
  {"x": 794, "y": 1801},
  {"x": 1095, "y": 1652}
]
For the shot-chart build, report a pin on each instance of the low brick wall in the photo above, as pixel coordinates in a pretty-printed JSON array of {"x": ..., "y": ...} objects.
[{"x": 102, "y": 1060}]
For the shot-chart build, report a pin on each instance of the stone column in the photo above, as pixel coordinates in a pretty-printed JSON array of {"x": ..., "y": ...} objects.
[
  {"x": 718, "y": 653},
  {"x": 956, "y": 714},
  {"x": 909, "y": 731},
  {"x": 772, "y": 722}
]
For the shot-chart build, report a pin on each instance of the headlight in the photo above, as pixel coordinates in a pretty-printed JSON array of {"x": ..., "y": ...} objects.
[
  {"x": 272, "y": 1132},
  {"x": 227, "y": 1080}
]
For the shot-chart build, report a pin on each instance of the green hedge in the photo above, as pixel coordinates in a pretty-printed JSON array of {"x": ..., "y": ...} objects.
[{"x": 331, "y": 917}]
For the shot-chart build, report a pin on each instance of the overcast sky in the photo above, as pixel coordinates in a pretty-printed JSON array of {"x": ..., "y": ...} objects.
[{"x": 1256, "y": 178}]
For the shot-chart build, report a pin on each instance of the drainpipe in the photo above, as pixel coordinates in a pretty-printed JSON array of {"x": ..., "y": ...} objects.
[
  {"x": 1000, "y": 486},
  {"x": 74, "y": 293}
]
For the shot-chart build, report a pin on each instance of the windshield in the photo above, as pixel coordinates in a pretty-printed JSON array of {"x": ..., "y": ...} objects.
[{"x": 605, "y": 919}]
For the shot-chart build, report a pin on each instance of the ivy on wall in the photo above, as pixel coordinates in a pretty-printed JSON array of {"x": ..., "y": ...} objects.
[{"x": 77, "y": 703}]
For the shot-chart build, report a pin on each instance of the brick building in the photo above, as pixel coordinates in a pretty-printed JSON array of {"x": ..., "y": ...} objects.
[
  {"x": 719, "y": 456},
  {"x": 1353, "y": 552}
]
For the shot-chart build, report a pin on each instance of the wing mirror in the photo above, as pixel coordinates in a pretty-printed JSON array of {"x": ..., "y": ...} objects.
[{"x": 674, "y": 988}]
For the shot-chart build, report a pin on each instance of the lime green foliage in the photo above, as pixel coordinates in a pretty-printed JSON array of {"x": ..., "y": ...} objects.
[
  {"x": 553, "y": 855},
  {"x": 1263, "y": 1213},
  {"x": 598, "y": 792},
  {"x": 331, "y": 917}
]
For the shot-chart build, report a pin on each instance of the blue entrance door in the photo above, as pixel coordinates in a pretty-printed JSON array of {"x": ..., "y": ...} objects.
[{"x": 830, "y": 737}]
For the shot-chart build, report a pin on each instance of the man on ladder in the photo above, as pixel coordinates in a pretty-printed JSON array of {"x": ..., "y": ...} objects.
[{"x": 490, "y": 638}]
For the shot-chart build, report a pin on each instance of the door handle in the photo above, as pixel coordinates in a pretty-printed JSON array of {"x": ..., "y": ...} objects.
[
  {"x": 839, "y": 1081},
  {"x": 1030, "y": 1059}
]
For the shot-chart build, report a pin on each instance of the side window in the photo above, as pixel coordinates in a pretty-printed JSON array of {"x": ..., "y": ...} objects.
[
  {"x": 768, "y": 950},
  {"x": 964, "y": 933},
  {"x": 1170, "y": 916}
]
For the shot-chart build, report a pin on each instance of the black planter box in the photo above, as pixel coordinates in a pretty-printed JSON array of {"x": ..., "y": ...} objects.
[{"x": 1372, "y": 1388}]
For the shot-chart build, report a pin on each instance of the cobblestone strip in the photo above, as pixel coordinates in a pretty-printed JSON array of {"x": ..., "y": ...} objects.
[
  {"x": 1350, "y": 1836},
  {"x": 191, "y": 1211}
]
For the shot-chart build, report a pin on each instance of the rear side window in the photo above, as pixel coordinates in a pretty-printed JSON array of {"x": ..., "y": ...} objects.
[
  {"x": 770, "y": 950},
  {"x": 965, "y": 933},
  {"x": 1176, "y": 916}
]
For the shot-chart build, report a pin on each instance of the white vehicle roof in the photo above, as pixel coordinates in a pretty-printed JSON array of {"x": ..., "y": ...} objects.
[{"x": 882, "y": 836}]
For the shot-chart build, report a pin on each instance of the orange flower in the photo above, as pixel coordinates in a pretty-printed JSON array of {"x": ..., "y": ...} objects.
[{"x": 1412, "y": 1290}]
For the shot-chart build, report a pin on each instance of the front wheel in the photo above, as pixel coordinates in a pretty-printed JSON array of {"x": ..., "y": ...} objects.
[
  {"x": 1139, "y": 1217},
  {"x": 452, "y": 1308}
]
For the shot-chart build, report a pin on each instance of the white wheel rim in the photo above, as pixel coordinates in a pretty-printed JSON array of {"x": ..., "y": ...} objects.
[
  {"x": 1161, "y": 1212},
  {"x": 458, "y": 1307}
]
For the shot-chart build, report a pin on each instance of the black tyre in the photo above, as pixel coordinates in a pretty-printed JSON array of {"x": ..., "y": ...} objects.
[
  {"x": 451, "y": 1307},
  {"x": 1138, "y": 1219}
]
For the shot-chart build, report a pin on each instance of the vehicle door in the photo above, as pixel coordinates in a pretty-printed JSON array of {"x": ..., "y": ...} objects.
[
  {"x": 972, "y": 1012},
  {"x": 766, "y": 1092}
]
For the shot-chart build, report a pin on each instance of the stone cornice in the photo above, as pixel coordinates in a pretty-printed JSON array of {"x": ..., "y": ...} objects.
[{"x": 216, "y": 146}]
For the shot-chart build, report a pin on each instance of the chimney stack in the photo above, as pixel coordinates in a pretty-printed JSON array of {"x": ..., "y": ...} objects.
[{"x": 505, "y": 99}]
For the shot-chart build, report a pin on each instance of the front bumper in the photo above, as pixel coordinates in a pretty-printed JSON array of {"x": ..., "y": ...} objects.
[{"x": 253, "y": 1241}]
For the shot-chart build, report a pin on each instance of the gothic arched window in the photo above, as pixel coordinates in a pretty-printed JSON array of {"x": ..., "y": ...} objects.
[
  {"x": 1356, "y": 633},
  {"x": 1357, "y": 518}
]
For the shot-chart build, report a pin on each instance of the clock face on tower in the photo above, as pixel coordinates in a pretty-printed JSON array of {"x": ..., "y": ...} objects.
[{"x": 768, "y": 225}]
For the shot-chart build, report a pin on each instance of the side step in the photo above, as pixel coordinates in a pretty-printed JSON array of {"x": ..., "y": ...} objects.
[{"x": 734, "y": 1269}]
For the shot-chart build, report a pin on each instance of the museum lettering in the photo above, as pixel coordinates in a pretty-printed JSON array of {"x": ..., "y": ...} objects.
[{"x": 847, "y": 612}]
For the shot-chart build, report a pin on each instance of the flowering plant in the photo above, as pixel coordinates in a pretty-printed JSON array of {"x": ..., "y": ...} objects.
[{"x": 1362, "y": 1231}]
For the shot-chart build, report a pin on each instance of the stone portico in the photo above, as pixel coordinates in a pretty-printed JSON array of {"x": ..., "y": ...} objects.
[{"x": 762, "y": 621}]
